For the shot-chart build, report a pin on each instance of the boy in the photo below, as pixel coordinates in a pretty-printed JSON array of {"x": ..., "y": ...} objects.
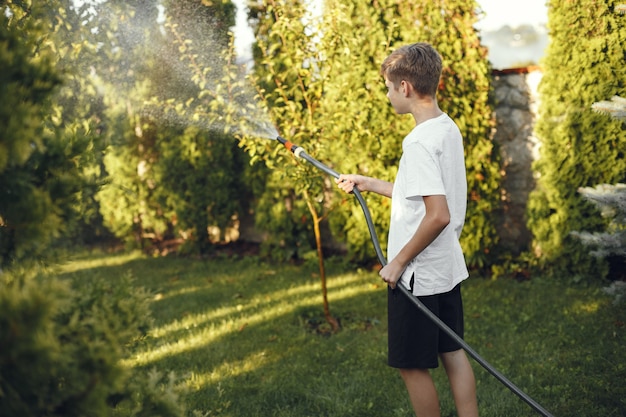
[{"x": 428, "y": 203}]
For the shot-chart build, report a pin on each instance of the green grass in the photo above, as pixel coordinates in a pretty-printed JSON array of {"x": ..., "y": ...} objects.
[{"x": 247, "y": 338}]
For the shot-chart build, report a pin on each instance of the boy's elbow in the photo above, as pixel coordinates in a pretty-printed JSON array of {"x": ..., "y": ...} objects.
[
  {"x": 444, "y": 220},
  {"x": 437, "y": 210},
  {"x": 439, "y": 222}
]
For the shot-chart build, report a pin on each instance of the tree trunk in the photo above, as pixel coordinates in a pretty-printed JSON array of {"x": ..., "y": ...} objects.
[{"x": 320, "y": 257}]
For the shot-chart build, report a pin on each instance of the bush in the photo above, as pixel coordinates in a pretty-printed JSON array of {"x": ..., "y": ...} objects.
[
  {"x": 579, "y": 148},
  {"x": 62, "y": 344},
  {"x": 337, "y": 110}
]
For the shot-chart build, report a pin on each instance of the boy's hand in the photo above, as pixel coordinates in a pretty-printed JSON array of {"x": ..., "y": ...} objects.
[
  {"x": 391, "y": 273},
  {"x": 347, "y": 182}
]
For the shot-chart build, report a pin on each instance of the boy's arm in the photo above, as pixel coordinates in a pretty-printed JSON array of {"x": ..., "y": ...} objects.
[
  {"x": 348, "y": 181},
  {"x": 436, "y": 219}
]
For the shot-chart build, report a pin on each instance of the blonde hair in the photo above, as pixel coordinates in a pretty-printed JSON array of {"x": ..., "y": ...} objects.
[{"x": 419, "y": 64}]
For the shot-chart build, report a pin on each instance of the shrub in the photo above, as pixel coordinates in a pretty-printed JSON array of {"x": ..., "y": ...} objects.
[
  {"x": 325, "y": 92},
  {"x": 62, "y": 343},
  {"x": 579, "y": 148}
]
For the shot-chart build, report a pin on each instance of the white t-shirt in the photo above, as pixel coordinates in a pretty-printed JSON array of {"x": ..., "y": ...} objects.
[{"x": 432, "y": 163}]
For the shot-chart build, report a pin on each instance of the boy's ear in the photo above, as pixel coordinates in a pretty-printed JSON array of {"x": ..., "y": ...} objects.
[{"x": 406, "y": 88}]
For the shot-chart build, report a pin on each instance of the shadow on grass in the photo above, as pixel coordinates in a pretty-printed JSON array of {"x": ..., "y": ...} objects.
[{"x": 247, "y": 339}]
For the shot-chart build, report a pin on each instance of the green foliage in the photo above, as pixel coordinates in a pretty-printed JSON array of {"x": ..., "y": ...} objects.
[
  {"x": 290, "y": 85},
  {"x": 79, "y": 109},
  {"x": 28, "y": 78},
  {"x": 157, "y": 159},
  {"x": 235, "y": 328},
  {"x": 579, "y": 147},
  {"x": 27, "y": 83},
  {"x": 62, "y": 348},
  {"x": 129, "y": 202},
  {"x": 362, "y": 132},
  {"x": 611, "y": 200},
  {"x": 43, "y": 158},
  {"x": 204, "y": 183},
  {"x": 207, "y": 180},
  {"x": 173, "y": 171},
  {"x": 324, "y": 91}
]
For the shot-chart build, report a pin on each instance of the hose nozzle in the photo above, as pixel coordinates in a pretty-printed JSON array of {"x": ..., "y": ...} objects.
[{"x": 290, "y": 146}]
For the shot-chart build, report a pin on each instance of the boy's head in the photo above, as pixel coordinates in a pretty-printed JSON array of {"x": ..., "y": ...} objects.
[{"x": 418, "y": 64}]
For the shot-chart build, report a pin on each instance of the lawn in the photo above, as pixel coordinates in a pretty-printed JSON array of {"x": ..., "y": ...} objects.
[{"x": 248, "y": 338}]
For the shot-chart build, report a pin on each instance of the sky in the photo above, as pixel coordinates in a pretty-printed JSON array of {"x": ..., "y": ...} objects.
[
  {"x": 513, "y": 13},
  {"x": 497, "y": 14}
]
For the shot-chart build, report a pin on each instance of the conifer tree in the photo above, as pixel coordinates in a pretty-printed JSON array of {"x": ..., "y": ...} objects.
[
  {"x": 172, "y": 174},
  {"x": 203, "y": 169},
  {"x": 285, "y": 74},
  {"x": 43, "y": 156},
  {"x": 129, "y": 200},
  {"x": 27, "y": 85},
  {"x": 362, "y": 134},
  {"x": 79, "y": 106},
  {"x": 63, "y": 342},
  {"x": 344, "y": 118},
  {"x": 584, "y": 63},
  {"x": 366, "y": 136}
]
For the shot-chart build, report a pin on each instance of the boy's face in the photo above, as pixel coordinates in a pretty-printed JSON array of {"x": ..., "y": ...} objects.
[{"x": 396, "y": 96}]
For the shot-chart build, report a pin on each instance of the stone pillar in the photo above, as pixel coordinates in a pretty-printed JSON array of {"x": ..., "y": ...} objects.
[{"x": 516, "y": 111}]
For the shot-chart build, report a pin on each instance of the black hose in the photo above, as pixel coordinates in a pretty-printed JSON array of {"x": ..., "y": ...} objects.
[
  {"x": 359, "y": 197},
  {"x": 299, "y": 152}
]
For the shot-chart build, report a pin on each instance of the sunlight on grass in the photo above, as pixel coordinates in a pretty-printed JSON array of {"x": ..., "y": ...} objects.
[
  {"x": 182, "y": 291},
  {"x": 580, "y": 308},
  {"x": 194, "y": 320},
  {"x": 251, "y": 363},
  {"x": 206, "y": 328},
  {"x": 248, "y": 338},
  {"x": 343, "y": 287},
  {"x": 89, "y": 262}
]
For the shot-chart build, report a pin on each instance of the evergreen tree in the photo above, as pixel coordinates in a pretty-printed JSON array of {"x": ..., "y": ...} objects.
[
  {"x": 611, "y": 200},
  {"x": 129, "y": 200},
  {"x": 584, "y": 63},
  {"x": 343, "y": 117},
  {"x": 63, "y": 342},
  {"x": 290, "y": 87},
  {"x": 203, "y": 170},
  {"x": 80, "y": 106},
  {"x": 361, "y": 131},
  {"x": 172, "y": 174},
  {"x": 44, "y": 157},
  {"x": 27, "y": 84}
]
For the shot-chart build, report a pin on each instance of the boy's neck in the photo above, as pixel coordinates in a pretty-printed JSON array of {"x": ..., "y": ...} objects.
[
  {"x": 423, "y": 116},
  {"x": 425, "y": 109}
]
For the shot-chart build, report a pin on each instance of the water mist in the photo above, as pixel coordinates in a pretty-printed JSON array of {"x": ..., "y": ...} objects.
[{"x": 186, "y": 78}]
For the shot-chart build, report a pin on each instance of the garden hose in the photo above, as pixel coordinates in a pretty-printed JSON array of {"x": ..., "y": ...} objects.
[{"x": 300, "y": 153}]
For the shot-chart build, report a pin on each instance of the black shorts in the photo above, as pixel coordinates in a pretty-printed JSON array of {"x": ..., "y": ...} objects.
[{"x": 414, "y": 340}]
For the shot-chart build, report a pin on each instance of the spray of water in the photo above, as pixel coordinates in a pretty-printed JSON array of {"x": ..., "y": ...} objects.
[{"x": 196, "y": 86}]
